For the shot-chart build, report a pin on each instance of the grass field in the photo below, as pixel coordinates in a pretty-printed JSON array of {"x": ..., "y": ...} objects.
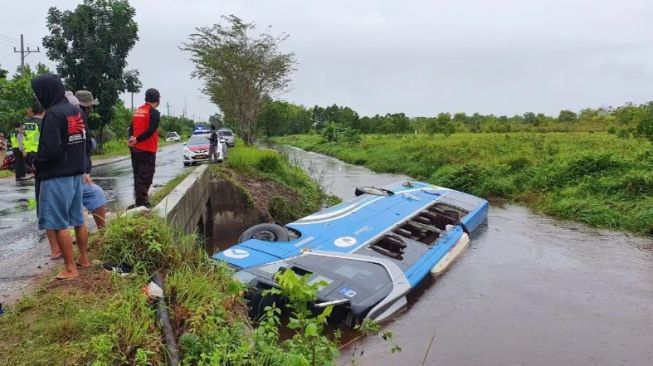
[{"x": 595, "y": 178}]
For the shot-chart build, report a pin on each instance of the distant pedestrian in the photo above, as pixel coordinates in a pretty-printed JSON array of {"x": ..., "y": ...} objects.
[
  {"x": 18, "y": 148},
  {"x": 3, "y": 148},
  {"x": 32, "y": 127},
  {"x": 143, "y": 141},
  {"x": 60, "y": 164},
  {"x": 213, "y": 145}
]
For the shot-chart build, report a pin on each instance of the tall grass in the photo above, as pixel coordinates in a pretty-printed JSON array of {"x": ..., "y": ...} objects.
[
  {"x": 270, "y": 165},
  {"x": 596, "y": 178}
]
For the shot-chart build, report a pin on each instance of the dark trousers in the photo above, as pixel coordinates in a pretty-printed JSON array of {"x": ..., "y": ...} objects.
[
  {"x": 143, "y": 164},
  {"x": 21, "y": 166},
  {"x": 31, "y": 162}
]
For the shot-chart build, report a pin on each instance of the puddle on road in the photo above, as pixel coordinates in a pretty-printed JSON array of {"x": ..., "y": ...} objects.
[{"x": 530, "y": 290}]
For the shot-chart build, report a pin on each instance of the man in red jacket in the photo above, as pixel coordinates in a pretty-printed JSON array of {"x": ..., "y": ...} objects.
[{"x": 143, "y": 141}]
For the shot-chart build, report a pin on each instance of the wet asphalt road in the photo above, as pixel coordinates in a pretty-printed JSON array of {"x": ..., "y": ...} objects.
[
  {"x": 24, "y": 254},
  {"x": 531, "y": 290}
]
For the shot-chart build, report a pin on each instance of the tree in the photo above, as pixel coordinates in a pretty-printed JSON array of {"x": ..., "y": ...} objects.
[
  {"x": 3, "y": 73},
  {"x": 90, "y": 46},
  {"x": 217, "y": 120},
  {"x": 132, "y": 83},
  {"x": 16, "y": 96},
  {"x": 239, "y": 70},
  {"x": 567, "y": 116},
  {"x": 645, "y": 124}
]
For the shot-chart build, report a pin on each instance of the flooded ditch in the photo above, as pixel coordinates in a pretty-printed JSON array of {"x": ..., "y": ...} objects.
[{"x": 531, "y": 290}]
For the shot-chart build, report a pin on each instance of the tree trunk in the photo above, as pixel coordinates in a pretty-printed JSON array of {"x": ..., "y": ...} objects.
[{"x": 100, "y": 139}]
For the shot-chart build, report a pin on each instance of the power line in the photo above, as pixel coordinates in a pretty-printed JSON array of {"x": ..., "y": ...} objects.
[
  {"x": 8, "y": 38},
  {"x": 6, "y": 42}
]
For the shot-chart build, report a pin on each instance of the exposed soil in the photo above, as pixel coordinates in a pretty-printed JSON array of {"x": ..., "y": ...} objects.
[{"x": 240, "y": 201}]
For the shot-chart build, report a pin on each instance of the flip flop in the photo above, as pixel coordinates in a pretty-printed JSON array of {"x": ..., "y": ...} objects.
[
  {"x": 56, "y": 257},
  {"x": 62, "y": 279},
  {"x": 82, "y": 267}
]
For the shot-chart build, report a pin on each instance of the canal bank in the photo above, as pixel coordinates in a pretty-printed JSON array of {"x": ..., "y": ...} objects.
[{"x": 531, "y": 290}]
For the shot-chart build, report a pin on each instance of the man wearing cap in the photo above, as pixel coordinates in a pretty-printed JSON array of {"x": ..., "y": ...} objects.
[
  {"x": 93, "y": 197},
  {"x": 143, "y": 141}
]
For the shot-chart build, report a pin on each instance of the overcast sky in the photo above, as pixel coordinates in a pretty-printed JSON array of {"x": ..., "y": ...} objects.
[{"x": 418, "y": 57}]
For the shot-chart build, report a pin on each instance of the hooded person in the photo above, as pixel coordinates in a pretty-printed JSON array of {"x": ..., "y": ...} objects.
[{"x": 60, "y": 163}]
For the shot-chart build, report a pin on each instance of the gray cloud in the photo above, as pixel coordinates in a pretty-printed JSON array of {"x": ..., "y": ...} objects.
[{"x": 417, "y": 57}]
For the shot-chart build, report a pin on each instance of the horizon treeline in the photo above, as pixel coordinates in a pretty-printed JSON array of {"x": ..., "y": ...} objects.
[{"x": 279, "y": 118}]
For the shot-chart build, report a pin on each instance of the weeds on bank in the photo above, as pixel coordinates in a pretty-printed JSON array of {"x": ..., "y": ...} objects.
[
  {"x": 162, "y": 192},
  {"x": 271, "y": 165},
  {"x": 597, "y": 178},
  {"x": 107, "y": 320}
]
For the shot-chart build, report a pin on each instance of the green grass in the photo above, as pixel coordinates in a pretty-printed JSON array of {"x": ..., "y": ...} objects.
[
  {"x": 6, "y": 173},
  {"x": 115, "y": 148},
  {"x": 269, "y": 165},
  {"x": 160, "y": 193},
  {"x": 595, "y": 178}
]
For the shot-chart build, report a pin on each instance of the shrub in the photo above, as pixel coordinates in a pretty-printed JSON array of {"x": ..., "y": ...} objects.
[{"x": 269, "y": 163}]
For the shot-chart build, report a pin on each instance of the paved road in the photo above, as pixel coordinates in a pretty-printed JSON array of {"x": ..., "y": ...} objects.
[{"x": 24, "y": 254}]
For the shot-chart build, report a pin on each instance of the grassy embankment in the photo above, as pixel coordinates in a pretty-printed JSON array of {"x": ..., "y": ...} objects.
[
  {"x": 103, "y": 319},
  {"x": 595, "y": 178}
]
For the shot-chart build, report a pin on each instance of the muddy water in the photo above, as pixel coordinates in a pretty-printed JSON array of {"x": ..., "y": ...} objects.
[{"x": 530, "y": 291}]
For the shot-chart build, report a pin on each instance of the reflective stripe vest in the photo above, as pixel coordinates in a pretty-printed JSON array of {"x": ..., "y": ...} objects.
[
  {"x": 13, "y": 139},
  {"x": 140, "y": 124},
  {"x": 32, "y": 135}
]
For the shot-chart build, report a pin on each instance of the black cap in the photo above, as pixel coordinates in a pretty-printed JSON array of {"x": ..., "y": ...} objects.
[{"x": 152, "y": 95}]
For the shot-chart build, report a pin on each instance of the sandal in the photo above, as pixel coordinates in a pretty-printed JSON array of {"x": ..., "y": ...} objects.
[{"x": 83, "y": 267}]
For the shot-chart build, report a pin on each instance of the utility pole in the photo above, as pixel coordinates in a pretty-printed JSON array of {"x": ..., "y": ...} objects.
[
  {"x": 168, "y": 107},
  {"x": 24, "y": 53},
  {"x": 184, "y": 114}
]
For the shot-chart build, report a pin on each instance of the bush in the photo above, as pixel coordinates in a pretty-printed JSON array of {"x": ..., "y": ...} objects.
[
  {"x": 148, "y": 243},
  {"x": 269, "y": 163}
]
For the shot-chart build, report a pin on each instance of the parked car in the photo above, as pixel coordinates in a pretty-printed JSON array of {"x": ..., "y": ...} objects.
[
  {"x": 173, "y": 136},
  {"x": 197, "y": 150},
  {"x": 228, "y": 136}
]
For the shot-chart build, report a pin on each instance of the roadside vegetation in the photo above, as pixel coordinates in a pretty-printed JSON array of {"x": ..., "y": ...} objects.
[
  {"x": 600, "y": 179},
  {"x": 105, "y": 319},
  {"x": 300, "y": 195}
]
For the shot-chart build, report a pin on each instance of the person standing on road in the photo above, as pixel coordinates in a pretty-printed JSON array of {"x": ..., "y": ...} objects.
[
  {"x": 93, "y": 197},
  {"x": 213, "y": 145},
  {"x": 18, "y": 147},
  {"x": 3, "y": 148},
  {"x": 143, "y": 141},
  {"x": 60, "y": 164},
  {"x": 32, "y": 127}
]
